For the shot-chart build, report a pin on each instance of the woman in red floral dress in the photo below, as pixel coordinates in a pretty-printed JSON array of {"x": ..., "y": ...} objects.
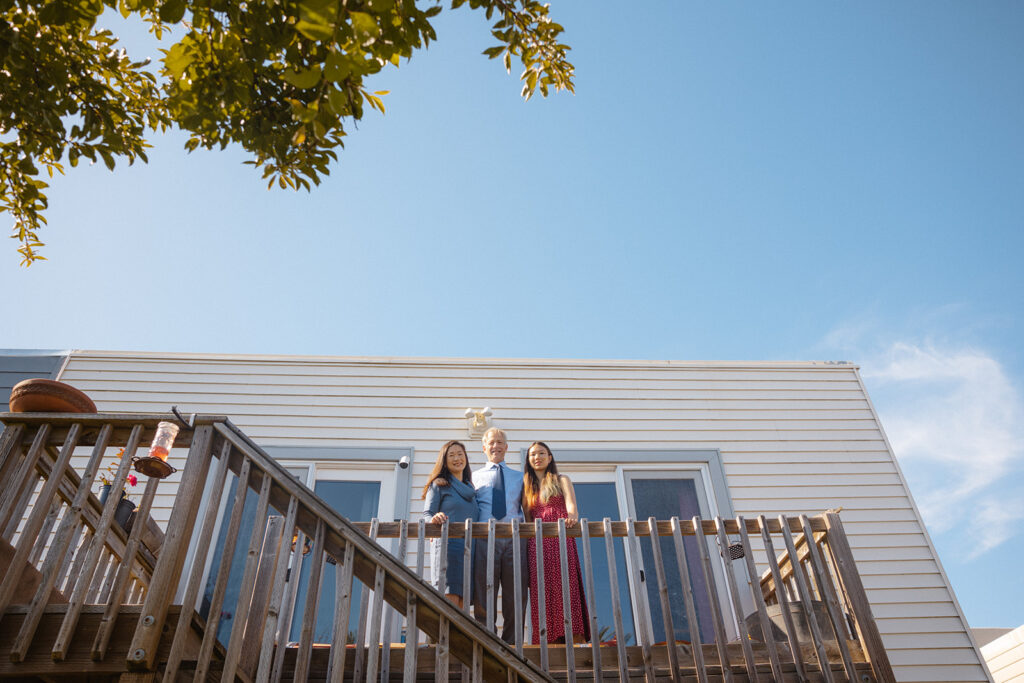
[{"x": 549, "y": 496}]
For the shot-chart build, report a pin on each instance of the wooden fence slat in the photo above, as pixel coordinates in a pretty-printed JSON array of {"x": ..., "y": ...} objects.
[
  {"x": 803, "y": 590},
  {"x": 730, "y": 580},
  {"x": 195, "y": 579},
  {"x": 867, "y": 629},
  {"x": 716, "y": 612},
  {"x": 542, "y": 622},
  {"x": 364, "y": 603},
  {"x": 570, "y": 655},
  {"x": 666, "y": 605},
  {"x": 442, "y": 573},
  {"x": 10, "y": 452},
  {"x": 755, "y": 591},
  {"x": 613, "y": 581},
  {"x": 61, "y": 552},
  {"x": 342, "y": 609},
  {"x": 588, "y": 580},
  {"x": 635, "y": 559},
  {"x": 517, "y": 581},
  {"x": 246, "y": 587},
  {"x": 223, "y": 573},
  {"x": 780, "y": 593},
  {"x": 828, "y": 597},
  {"x": 123, "y": 572},
  {"x": 696, "y": 646}
]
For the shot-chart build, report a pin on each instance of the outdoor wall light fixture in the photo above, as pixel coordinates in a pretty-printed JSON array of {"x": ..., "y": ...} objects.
[{"x": 478, "y": 421}]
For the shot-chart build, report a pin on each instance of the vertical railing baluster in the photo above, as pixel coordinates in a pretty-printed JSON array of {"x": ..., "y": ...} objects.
[
  {"x": 613, "y": 581},
  {"x": 99, "y": 576},
  {"x": 755, "y": 591},
  {"x": 467, "y": 585},
  {"x": 364, "y": 605},
  {"x": 257, "y": 630},
  {"x": 640, "y": 591},
  {"x": 542, "y": 621},
  {"x": 30, "y": 533},
  {"x": 441, "y": 668},
  {"x": 245, "y": 593},
  {"x": 294, "y": 578},
  {"x": 164, "y": 583},
  {"x": 666, "y": 605},
  {"x": 10, "y": 452},
  {"x": 570, "y": 654},
  {"x": 780, "y": 593},
  {"x": 412, "y": 632},
  {"x": 25, "y": 473},
  {"x": 803, "y": 590},
  {"x": 83, "y": 589},
  {"x": 829, "y": 598},
  {"x": 123, "y": 573},
  {"x": 317, "y": 558},
  {"x": 342, "y": 610},
  {"x": 442, "y": 585},
  {"x": 184, "y": 627},
  {"x": 489, "y": 577},
  {"x": 716, "y": 612},
  {"x": 517, "y": 587},
  {"x": 588, "y": 580},
  {"x": 374, "y": 651},
  {"x": 385, "y": 657},
  {"x": 696, "y": 643},
  {"x": 730, "y": 582},
  {"x": 45, "y": 531},
  {"x": 61, "y": 551},
  {"x": 223, "y": 573}
]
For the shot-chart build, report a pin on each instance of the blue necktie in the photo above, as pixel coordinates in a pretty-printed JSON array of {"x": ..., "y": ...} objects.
[{"x": 498, "y": 502}]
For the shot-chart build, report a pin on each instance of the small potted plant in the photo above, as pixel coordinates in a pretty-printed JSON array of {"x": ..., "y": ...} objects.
[{"x": 125, "y": 505}]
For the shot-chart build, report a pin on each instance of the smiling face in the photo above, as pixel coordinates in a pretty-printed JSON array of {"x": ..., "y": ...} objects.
[
  {"x": 456, "y": 460},
  {"x": 540, "y": 458},
  {"x": 495, "y": 446}
]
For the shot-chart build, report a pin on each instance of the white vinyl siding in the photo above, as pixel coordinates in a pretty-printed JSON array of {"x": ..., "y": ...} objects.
[
  {"x": 794, "y": 437},
  {"x": 1005, "y": 657}
]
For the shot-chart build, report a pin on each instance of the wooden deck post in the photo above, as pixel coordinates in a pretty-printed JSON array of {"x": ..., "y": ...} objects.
[{"x": 867, "y": 630}]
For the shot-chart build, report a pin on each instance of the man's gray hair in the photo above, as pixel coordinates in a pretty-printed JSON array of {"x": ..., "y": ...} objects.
[{"x": 494, "y": 430}]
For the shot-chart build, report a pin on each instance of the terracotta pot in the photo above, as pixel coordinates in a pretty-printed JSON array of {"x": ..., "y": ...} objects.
[{"x": 48, "y": 396}]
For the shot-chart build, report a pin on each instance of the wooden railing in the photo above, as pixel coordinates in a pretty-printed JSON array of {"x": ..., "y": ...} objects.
[{"x": 72, "y": 571}]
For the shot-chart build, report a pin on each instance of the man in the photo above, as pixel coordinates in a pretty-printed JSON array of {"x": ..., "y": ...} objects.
[{"x": 499, "y": 494}]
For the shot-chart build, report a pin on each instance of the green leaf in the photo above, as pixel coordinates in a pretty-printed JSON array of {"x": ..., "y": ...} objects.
[
  {"x": 172, "y": 11},
  {"x": 365, "y": 25},
  {"x": 314, "y": 31},
  {"x": 303, "y": 79}
]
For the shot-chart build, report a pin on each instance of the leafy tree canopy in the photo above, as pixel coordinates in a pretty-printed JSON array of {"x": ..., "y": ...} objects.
[{"x": 278, "y": 77}]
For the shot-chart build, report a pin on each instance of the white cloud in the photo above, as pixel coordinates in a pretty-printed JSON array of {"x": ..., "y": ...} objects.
[{"x": 956, "y": 423}]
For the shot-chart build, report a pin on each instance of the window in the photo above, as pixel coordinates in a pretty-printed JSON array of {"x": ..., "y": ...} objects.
[{"x": 359, "y": 484}]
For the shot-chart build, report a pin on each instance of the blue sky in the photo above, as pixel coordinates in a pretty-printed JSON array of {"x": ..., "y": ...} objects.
[{"x": 798, "y": 181}]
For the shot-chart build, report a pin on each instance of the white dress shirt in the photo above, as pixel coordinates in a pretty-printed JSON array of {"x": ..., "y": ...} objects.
[{"x": 484, "y": 480}]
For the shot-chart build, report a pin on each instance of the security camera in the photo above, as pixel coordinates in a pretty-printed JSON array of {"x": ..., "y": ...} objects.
[{"x": 404, "y": 461}]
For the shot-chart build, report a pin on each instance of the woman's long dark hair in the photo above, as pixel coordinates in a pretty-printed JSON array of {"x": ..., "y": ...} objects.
[
  {"x": 534, "y": 489},
  {"x": 441, "y": 466}
]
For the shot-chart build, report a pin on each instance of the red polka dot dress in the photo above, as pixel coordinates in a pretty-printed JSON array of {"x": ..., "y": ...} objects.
[{"x": 552, "y": 511}]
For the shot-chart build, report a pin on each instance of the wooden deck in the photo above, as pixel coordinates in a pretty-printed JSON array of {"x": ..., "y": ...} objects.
[{"x": 82, "y": 600}]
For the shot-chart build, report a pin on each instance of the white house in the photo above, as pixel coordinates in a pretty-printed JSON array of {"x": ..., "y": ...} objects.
[{"x": 640, "y": 438}]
